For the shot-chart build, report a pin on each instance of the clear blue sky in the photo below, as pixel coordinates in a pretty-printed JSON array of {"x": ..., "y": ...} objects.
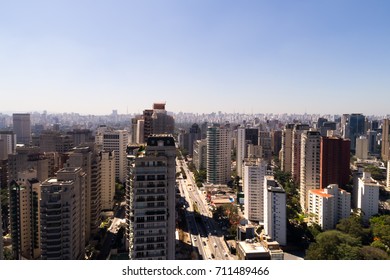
[{"x": 292, "y": 56}]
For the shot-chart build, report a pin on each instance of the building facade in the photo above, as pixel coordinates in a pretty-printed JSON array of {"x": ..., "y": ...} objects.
[
  {"x": 24, "y": 216},
  {"x": 310, "y": 165},
  {"x": 334, "y": 161},
  {"x": 22, "y": 128},
  {"x": 62, "y": 216},
  {"x": 150, "y": 198},
  {"x": 367, "y": 196},
  {"x": 328, "y": 206},
  {"x": 275, "y": 219},
  {"x": 107, "y": 179},
  {"x": 296, "y": 150},
  {"x": 286, "y": 150},
  {"x": 218, "y": 154},
  {"x": 253, "y": 185}
]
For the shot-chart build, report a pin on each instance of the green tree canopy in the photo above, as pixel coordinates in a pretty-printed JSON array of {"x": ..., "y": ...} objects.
[{"x": 334, "y": 245}]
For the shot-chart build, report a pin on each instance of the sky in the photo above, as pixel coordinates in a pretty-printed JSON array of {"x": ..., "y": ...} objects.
[{"x": 201, "y": 56}]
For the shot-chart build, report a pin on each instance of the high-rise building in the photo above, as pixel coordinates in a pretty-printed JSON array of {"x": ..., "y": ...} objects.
[
  {"x": 245, "y": 136},
  {"x": 107, "y": 179},
  {"x": 276, "y": 142},
  {"x": 265, "y": 143},
  {"x": 310, "y": 165},
  {"x": 24, "y": 216},
  {"x": 157, "y": 121},
  {"x": 150, "y": 195},
  {"x": 81, "y": 136},
  {"x": 117, "y": 140},
  {"x": 199, "y": 156},
  {"x": 89, "y": 160},
  {"x": 30, "y": 158},
  {"x": 334, "y": 161},
  {"x": 388, "y": 175},
  {"x": 372, "y": 142},
  {"x": 367, "y": 199},
  {"x": 356, "y": 128},
  {"x": 193, "y": 135},
  {"x": 328, "y": 206},
  {"x": 218, "y": 154},
  {"x": 286, "y": 150},
  {"x": 275, "y": 219},
  {"x": 140, "y": 138},
  {"x": 361, "y": 151},
  {"x": 385, "y": 150},
  {"x": 296, "y": 150},
  {"x": 22, "y": 128},
  {"x": 62, "y": 214},
  {"x": 253, "y": 185},
  {"x": 54, "y": 141},
  {"x": 7, "y": 144},
  {"x": 1, "y": 235}
]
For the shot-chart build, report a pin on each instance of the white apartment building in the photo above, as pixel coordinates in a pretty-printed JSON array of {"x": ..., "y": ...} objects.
[
  {"x": 328, "y": 206},
  {"x": 219, "y": 141},
  {"x": 253, "y": 186},
  {"x": 107, "y": 179},
  {"x": 310, "y": 165},
  {"x": 367, "y": 195},
  {"x": 150, "y": 195},
  {"x": 275, "y": 219}
]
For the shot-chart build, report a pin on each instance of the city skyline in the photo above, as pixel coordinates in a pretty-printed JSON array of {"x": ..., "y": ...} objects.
[{"x": 198, "y": 56}]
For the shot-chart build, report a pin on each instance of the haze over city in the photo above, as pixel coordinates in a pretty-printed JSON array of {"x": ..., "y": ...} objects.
[{"x": 198, "y": 56}]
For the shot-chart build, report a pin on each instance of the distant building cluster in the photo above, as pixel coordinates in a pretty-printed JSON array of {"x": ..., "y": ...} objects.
[{"x": 63, "y": 174}]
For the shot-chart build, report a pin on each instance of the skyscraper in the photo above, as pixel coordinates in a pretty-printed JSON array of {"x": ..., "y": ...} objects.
[
  {"x": 193, "y": 135},
  {"x": 117, "y": 140},
  {"x": 22, "y": 128},
  {"x": 1, "y": 234},
  {"x": 356, "y": 128},
  {"x": 296, "y": 150},
  {"x": 334, "y": 162},
  {"x": 385, "y": 151},
  {"x": 275, "y": 220},
  {"x": 87, "y": 158},
  {"x": 245, "y": 136},
  {"x": 24, "y": 216},
  {"x": 107, "y": 179},
  {"x": 157, "y": 121},
  {"x": 62, "y": 215},
  {"x": 7, "y": 144},
  {"x": 310, "y": 165},
  {"x": 286, "y": 151},
  {"x": 218, "y": 154},
  {"x": 253, "y": 185},
  {"x": 150, "y": 197}
]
